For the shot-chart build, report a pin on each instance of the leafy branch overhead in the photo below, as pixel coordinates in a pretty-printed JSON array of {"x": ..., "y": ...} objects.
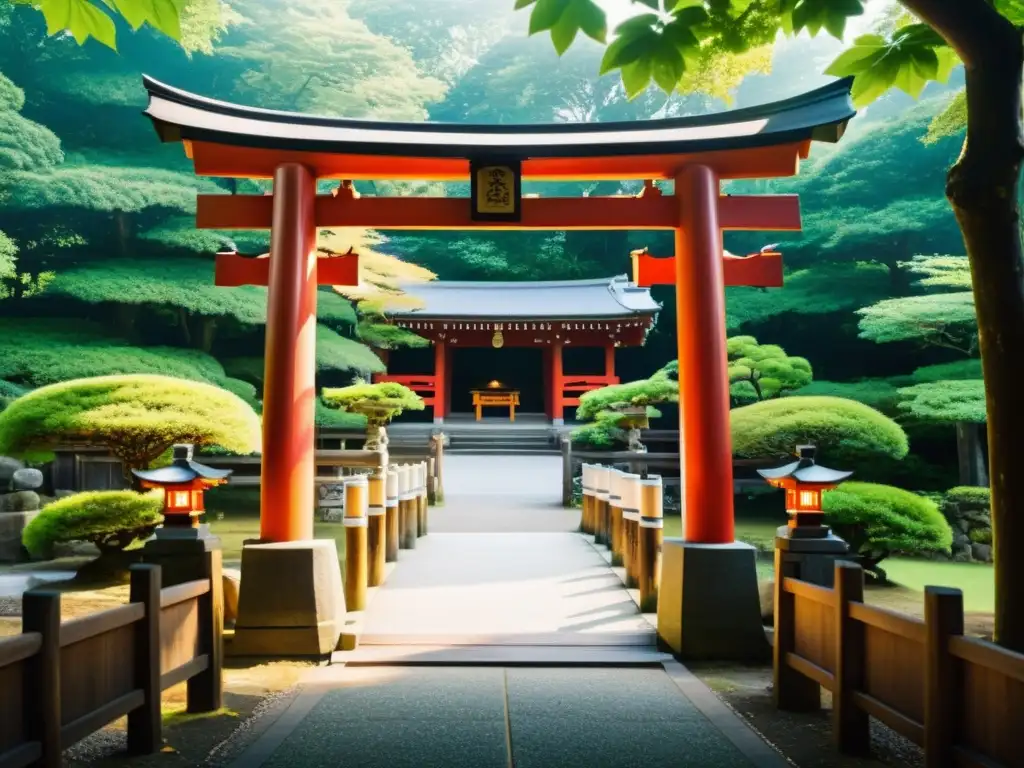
[{"x": 672, "y": 37}]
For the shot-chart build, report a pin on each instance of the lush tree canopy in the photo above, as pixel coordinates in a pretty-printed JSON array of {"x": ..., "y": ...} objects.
[
  {"x": 762, "y": 371},
  {"x": 112, "y": 520},
  {"x": 946, "y": 401},
  {"x": 136, "y": 417}
]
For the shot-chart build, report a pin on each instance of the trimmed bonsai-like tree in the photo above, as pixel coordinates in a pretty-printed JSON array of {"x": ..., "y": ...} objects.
[
  {"x": 379, "y": 403},
  {"x": 845, "y": 431},
  {"x": 763, "y": 371},
  {"x": 618, "y": 412},
  {"x": 112, "y": 520},
  {"x": 880, "y": 520},
  {"x": 136, "y": 417}
]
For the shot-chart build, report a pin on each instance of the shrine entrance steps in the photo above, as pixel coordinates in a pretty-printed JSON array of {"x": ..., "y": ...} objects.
[{"x": 530, "y": 434}]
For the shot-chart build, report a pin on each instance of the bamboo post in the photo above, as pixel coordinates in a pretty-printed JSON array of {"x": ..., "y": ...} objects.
[
  {"x": 567, "y": 475},
  {"x": 602, "y": 526},
  {"x": 425, "y": 496},
  {"x": 850, "y": 727},
  {"x": 356, "y": 504},
  {"x": 439, "y": 468},
  {"x": 420, "y": 472},
  {"x": 377, "y": 532},
  {"x": 431, "y": 495},
  {"x": 407, "y": 507},
  {"x": 586, "y": 485},
  {"x": 650, "y": 532},
  {"x": 391, "y": 515},
  {"x": 145, "y": 722},
  {"x": 630, "y": 485},
  {"x": 791, "y": 690},
  {"x": 943, "y": 675},
  {"x": 615, "y": 505},
  {"x": 40, "y": 612}
]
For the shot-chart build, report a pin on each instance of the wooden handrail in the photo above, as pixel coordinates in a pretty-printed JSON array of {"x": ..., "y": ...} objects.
[
  {"x": 19, "y": 647},
  {"x": 77, "y": 630},
  {"x": 179, "y": 593},
  {"x": 889, "y": 621}
]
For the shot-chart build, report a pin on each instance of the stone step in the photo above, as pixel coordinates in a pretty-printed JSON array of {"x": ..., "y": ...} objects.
[
  {"x": 500, "y": 655},
  {"x": 619, "y": 639}
]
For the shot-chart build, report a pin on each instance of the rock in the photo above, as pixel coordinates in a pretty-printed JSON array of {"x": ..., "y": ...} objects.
[
  {"x": 12, "y": 524},
  {"x": 982, "y": 552},
  {"x": 962, "y": 556},
  {"x": 766, "y": 593},
  {"x": 8, "y": 467},
  {"x": 27, "y": 480},
  {"x": 232, "y": 580},
  {"x": 964, "y": 524},
  {"x": 20, "y": 501}
]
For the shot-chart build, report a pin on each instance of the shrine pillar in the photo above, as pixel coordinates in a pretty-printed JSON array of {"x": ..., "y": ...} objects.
[
  {"x": 709, "y": 605},
  {"x": 291, "y": 601},
  {"x": 441, "y": 368},
  {"x": 557, "y": 407},
  {"x": 289, "y": 390},
  {"x": 609, "y": 361}
]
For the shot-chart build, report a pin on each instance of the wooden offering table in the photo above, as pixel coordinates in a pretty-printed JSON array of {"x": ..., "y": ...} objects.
[{"x": 488, "y": 398}]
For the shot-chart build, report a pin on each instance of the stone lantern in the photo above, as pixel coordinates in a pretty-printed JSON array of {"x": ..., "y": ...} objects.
[{"x": 806, "y": 540}]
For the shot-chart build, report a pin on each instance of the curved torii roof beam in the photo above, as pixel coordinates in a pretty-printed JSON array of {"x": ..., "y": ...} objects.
[{"x": 226, "y": 139}]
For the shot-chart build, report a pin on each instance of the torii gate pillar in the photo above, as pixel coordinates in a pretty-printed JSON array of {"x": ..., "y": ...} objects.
[{"x": 708, "y": 605}]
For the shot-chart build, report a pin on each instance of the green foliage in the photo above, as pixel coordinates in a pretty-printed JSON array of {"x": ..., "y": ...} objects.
[
  {"x": 250, "y": 369},
  {"x": 332, "y": 418},
  {"x": 136, "y": 417},
  {"x": 603, "y": 432},
  {"x": 24, "y": 144},
  {"x": 946, "y": 401},
  {"x": 879, "y": 394},
  {"x": 337, "y": 353},
  {"x": 762, "y": 371},
  {"x": 937, "y": 319},
  {"x": 942, "y": 271},
  {"x": 881, "y": 520},
  {"x": 37, "y": 352},
  {"x": 846, "y": 432},
  {"x": 970, "y": 496},
  {"x": 112, "y": 520},
  {"x": 956, "y": 370},
  {"x": 633, "y": 393},
  {"x": 379, "y": 403},
  {"x": 951, "y": 121},
  {"x": 387, "y": 336}
]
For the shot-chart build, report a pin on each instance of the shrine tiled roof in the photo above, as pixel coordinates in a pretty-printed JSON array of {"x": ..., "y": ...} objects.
[{"x": 606, "y": 298}]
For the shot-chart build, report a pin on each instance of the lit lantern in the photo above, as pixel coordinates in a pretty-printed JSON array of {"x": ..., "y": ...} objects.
[
  {"x": 183, "y": 483},
  {"x": 804, "y": 482}
]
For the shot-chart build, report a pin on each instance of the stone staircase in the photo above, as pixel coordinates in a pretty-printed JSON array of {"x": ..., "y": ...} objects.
[{"x": 498, "y": 441}]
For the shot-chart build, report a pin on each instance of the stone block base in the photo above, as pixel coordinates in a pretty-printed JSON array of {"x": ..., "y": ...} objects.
[
  {"x": 291, "y": 602},
  {"x": 12, "y": 525},
  {"x": 708, "y": 605},
  {"x": 180, "y": 552}
]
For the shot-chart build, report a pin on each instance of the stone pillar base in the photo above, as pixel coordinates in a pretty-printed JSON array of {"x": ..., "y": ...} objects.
[
  {"x": 708, "y": 604},
  {"x": 814, "y": 553},
  {"x": 291, "y": 602},
  {"x": 180, "y": 552}
]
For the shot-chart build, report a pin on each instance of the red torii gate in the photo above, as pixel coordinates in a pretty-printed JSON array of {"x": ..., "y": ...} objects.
[{"x": 696, "y": 153}]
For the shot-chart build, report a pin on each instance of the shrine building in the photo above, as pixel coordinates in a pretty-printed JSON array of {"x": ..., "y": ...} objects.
[{"x": 522, "y": 335}]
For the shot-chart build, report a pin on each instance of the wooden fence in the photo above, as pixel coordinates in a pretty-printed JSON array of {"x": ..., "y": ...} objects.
[
  {"x": 960, "y": 698},
  {"x": 61, "y": 681}
]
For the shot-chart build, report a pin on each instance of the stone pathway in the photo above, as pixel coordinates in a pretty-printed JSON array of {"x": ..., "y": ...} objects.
[{"x": 504, "y": 639}]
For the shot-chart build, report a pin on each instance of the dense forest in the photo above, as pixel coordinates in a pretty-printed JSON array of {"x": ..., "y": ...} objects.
[{"x": 102, "y": 270}]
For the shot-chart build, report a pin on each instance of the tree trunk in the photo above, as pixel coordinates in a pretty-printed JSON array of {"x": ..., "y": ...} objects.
[
  {"x": 186, "y": 334},
  {"x": 123, "y": 232},
  {"x": 970, "y": 459},
  {"x": 207, "y": 331},
  {"x": 982, "y": 187}
]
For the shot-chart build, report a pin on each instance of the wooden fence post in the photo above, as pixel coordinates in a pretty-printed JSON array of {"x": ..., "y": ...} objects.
[
  {"x": 439, "y": 468},
  {"x": 792, "y": 691},
  {"x": 357, "y": 491},
  {"x": 421, "y": 498},
  {"x": 850, "y": 726},
  {"x": 431, "y": 480},
  {"x": 40, "y": 612},
  {"x": 377, "y": 529},
  {"x": 205, "y": 691},
  {"x": 566, "y": 471},
  {"x": 943, "y": 679},
  {"x": 144, "y": 722},
  {"x": 651, "y": 534}
]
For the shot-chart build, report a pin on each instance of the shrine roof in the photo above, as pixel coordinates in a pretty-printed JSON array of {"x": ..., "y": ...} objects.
[
  {"x": 607, "y": 298},
  {"x": 443, "y": 149}
]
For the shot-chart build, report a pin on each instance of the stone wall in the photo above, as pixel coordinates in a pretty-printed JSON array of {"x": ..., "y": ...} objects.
[
  {"x": 967, "y": 509},
  {"x": 19, "y": 504}
]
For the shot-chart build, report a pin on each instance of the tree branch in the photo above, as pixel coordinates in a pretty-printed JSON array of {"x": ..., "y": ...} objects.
[{"x": 973, "y": 28}]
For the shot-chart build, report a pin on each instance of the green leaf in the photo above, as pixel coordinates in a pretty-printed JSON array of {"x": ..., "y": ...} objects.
[
  {"x": 162, "y": 15},
  {"x": 563, "y": 33},
  {"x": 655, "y": 4},
  {"x": 873, "y": 82},
  {"x": 947, "y": 62},
  {"x": 642, "y": 23},
  {"x": 624, "y": 51},
  {"x": 674, "y": 6},
  {"x": 79, "y": 17},
  {"x": 857, "y": 58},
  {"x": 925, "y": 63},
  {"x": 546, "y": 14},
  {"x": 667, "y": 66},
  {"x": 592, "y": 20},
  {"x": 520, "y": 4},
  {"x": 636, "y": 77},
  {"x": 908, "y": 80}
]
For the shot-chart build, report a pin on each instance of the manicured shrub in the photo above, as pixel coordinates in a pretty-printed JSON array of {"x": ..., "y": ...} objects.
[
  {"x": 112, "y": 520},
  {"x": 631, "y": 394},
  {"x": 880, "y": 520},
  {"x": 332, "y": 418},
  {"x": 970, "y": 496},
  {"x": 136, "y": 417},
  {"x": 606, "y": 431},
  {"x": 845, "y": 431},
  {"x": 377, "y": 403}
]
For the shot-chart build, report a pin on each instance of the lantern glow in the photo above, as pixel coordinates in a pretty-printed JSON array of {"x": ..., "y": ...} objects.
[
  {"x": 804, "y": 482},
  {"x": 183, "y": 483}
]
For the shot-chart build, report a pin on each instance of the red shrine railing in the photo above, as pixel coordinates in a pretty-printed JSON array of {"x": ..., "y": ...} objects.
[{"x": 574, "y": 386}]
